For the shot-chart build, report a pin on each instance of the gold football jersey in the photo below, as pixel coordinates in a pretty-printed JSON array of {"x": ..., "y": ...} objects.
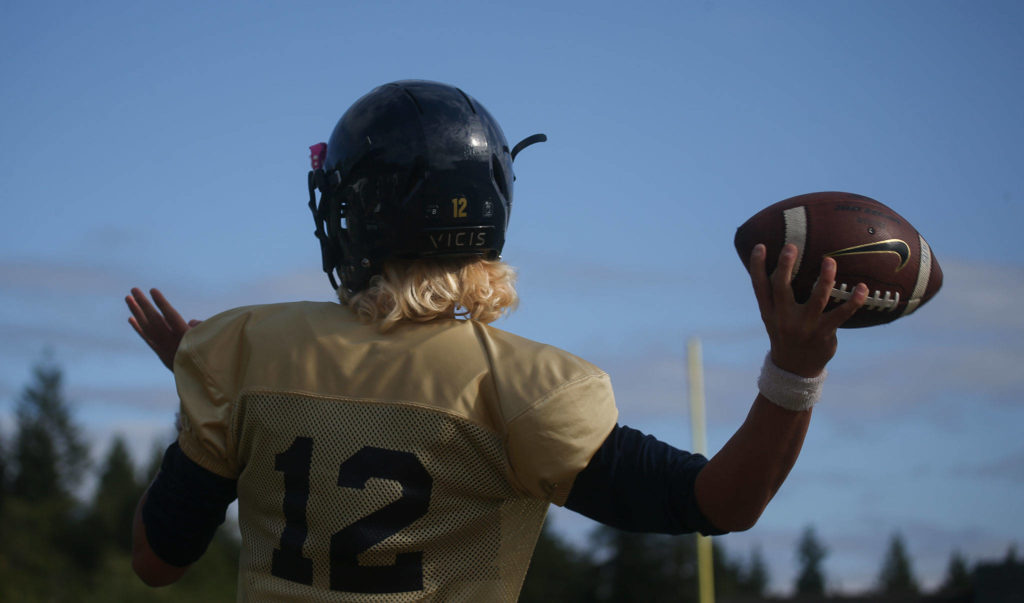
[{"x": 403, "y": 466}]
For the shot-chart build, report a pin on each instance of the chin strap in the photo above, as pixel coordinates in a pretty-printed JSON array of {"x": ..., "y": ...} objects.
[{"x": 529, "y": 140}]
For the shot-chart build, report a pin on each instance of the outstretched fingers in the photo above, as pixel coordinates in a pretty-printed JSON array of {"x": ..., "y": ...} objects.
[
  {"x": 139, "y": 318},
  {"x": 138, "y": 329},
  {"x": 176, "y": 322},
  {"x": 142, "y": 310},
  {"x": 160, "y": 326}
]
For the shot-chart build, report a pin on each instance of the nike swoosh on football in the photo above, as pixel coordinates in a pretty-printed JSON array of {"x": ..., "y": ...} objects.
[{"x": 897, "y": 246}]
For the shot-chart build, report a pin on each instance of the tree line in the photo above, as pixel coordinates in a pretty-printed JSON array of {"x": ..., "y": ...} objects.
[
  {"x": 58, "y": 546},
  {"x": 623, "y": 566}
]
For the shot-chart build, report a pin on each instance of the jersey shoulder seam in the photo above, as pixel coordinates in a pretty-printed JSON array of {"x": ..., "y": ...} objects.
[{"x": 556, "y": 390}]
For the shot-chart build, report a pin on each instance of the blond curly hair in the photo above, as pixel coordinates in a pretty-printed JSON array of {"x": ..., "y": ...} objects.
[{"x": 424, "y": 289}]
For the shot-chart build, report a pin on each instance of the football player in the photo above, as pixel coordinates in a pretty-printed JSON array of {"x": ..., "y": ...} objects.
[{"x": 396, "y": 444}]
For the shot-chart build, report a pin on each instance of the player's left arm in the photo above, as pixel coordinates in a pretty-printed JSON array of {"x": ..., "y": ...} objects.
[
  {"x": 177, "y": 517},
  {"x": 146, "y": 564},
  {"x": 173, "y": 524}
]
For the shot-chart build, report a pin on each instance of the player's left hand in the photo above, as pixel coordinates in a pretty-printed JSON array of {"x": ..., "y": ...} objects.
[{"x": 161, "y": 328}]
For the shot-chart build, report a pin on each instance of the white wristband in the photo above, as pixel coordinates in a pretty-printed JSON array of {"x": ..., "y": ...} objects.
[{"x": 789, "y": 390}]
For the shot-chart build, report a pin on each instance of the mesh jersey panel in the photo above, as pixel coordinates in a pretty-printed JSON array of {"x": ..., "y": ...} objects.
[
  {"x": 416, "y": 464},
  {"x": 476, "y": 537}
]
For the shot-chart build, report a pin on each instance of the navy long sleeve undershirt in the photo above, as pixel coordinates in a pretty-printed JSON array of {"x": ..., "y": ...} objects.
[
  {"x": 635, "y": 482},
  {"x": 185, "y": 505}
]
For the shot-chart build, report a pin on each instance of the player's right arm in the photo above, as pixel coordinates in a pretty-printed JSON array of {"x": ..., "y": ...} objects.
[
  {"x": 637, "y": 483},
  {"x": 741, "y": 479}
]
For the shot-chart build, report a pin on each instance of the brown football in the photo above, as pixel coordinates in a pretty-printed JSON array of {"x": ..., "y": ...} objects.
[{"x": 871, "y": 244}]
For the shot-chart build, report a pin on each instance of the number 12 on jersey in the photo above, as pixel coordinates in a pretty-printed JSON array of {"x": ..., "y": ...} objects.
[{"x": 406, "y": 574}]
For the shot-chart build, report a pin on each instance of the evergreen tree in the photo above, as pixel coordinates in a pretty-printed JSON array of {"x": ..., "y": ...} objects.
[
  {"x": 730, "y": 575},
  {"x": 644, "y": 567},
  {"x": 117, "y": 493},
  {"x": 49, "y": 454},
  {"x": 755, "y": 578},
  {"x": 958, "y": 577},
  {"x": 557, "y": 572},
  {"x": 44, "y": 536},
  {"x": 3, "y": 471},
  {"x": 897, "y": 576},
  {"x": 810, "y": 555},
  {"x": 36, "y": 472},
  {"x": 1011, "y": 554}
]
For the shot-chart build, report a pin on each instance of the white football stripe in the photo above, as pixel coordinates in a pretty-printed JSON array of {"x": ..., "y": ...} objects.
[
  {"x": 796, "y": 232},
  {"x": 924, "y": 272}
]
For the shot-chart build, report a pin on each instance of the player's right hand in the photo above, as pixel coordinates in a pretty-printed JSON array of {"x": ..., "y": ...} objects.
[
  {"x": 163, "y": 328},
  {"x": 803, "y": 336}
]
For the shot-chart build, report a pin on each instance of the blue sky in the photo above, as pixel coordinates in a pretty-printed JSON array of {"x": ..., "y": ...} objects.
[{"x": 166, "y": 145}]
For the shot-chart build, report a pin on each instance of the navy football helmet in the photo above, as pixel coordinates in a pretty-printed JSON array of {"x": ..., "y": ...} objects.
[{"x": 413, "y": 169}]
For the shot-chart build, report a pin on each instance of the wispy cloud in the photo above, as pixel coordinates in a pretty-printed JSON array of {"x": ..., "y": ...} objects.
[
  {"x": 39, "y": 336},
  {"x": 579, "y": 275},
  {"x": 44, "y": 277},
  {"x": 1008, "y": 467},
  {"x": 162, "y": 398},
  {"x": 976, "y": 296}
]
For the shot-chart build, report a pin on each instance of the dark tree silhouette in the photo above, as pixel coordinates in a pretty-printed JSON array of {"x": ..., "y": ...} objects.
[
  {"x": 644, "y": 567},
  {"x": 732, "y": 577},
  {"x": 45, "y": 554},
  {"x": 897, "y": 575},
  {"x": 117, "y": 493},
  {"x": 1011, "y": 554},
  {"x": 810, "y": 555},
  {"x": 557, "y": 572},
  {"x": 3, "y": 471},
  {"x": 958, "y": 577},
  {"x": 55, "y": 548},
  {"x": 49, "y": 454},
  {"x": 755, "y": 577}
]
